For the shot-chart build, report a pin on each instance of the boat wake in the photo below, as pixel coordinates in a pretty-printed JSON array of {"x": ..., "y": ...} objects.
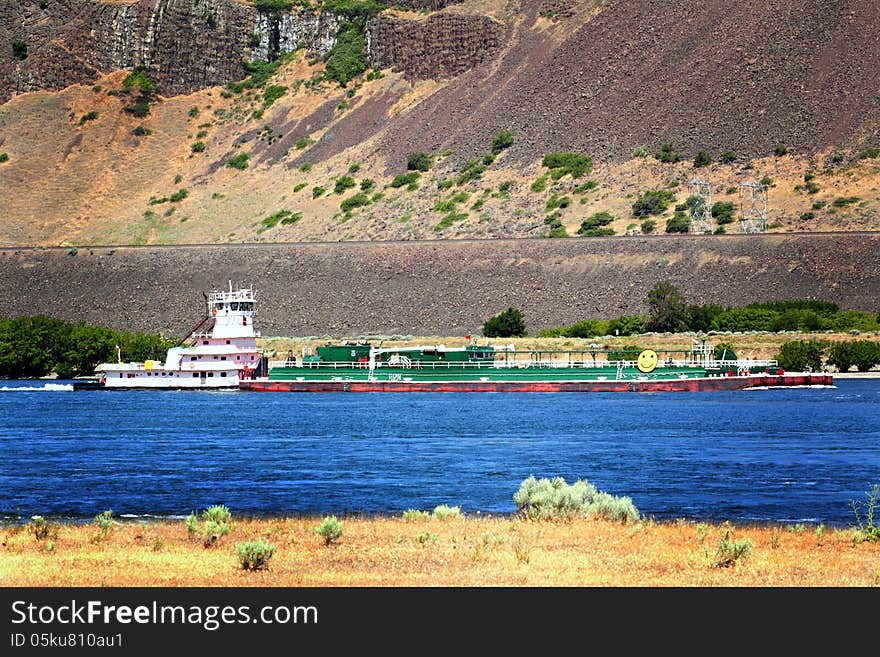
[{"x": 47, "y": 387}]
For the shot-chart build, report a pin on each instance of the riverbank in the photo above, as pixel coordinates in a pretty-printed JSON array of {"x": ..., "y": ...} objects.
[{"x": 464, "y": 551}]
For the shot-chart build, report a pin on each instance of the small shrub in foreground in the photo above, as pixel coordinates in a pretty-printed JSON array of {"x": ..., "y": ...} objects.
[
  {"x": 213, "y": 526},
  {"x": 443, "y": 512},
  {"x": 330, "y": 530},
  {"x": 254, "y": 555},
  {"x": 104, "y": 521},
  {"x": 731, "y": 550},
  {"x": 42, "y": 529},
  {"x": 554, "y": 499},
  {"x": 868, "y": 529},
  {"x": 412, "y": 515}
]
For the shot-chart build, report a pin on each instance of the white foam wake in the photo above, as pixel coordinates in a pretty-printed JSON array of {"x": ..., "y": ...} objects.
[{"x": 46, "y": 387}]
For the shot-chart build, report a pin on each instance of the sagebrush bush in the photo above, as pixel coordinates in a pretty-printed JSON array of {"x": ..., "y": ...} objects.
[
  {"x": 213, "y": 526},
  {"x": 731, "y": 550},
  {"x": 546, "y": 499},
  {"x": 104, "y": 520},
  {"x": 330, "y": 530},
  {"x": 411, "y": 515},
  {"x": 443, "y": 512},
  {"x": 254, "y": 555},
  {"x": 42, "y": 529},
  {"x": 868, "y": 528}
]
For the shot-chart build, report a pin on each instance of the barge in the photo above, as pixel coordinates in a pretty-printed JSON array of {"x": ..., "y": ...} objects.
[{"x": 362, "y": 366}]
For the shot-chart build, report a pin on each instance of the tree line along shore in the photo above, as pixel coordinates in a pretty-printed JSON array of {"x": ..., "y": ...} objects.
[{"x": 802, "y": 335}]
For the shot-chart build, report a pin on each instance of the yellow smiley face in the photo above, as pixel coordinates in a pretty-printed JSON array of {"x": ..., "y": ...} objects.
[{"x": 647, "y": 360}]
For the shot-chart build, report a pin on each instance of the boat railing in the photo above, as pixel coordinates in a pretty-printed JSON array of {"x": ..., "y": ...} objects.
[{"x": 483, "y": 364}]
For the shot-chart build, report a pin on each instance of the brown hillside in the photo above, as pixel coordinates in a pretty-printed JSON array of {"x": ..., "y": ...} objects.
[{"x": 598, "y": 78}]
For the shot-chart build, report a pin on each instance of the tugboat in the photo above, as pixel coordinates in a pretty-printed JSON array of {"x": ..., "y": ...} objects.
[
  {"x": 218, "y": 353},
  {"x": 364, "y": 367}
]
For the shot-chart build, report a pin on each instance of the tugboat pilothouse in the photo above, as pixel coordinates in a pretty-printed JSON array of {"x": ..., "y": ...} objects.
[{"x": 218, "y": 353}]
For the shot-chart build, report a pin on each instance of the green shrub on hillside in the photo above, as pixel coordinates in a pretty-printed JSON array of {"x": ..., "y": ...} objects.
[
  {"x": 239, "y": 161},
  {"x": 358, "y": 200},
  {"x": 652, "y": 202},
  {"x": 562, "y": 164},
  {"x": 419, "y": 161},
  {"x": 342, "y": 184},
  {"x": 502, "y": 141},
  {"x": 345, "y": 61},
  {"x": 678, "y": 223},
  {"x": 592, "y": 225},
  {"x": 667, "y": 154},
  {"x": 88, "y": 116},
  {"x": 19, "y": 50},
  {"x": 722, "y": 211},
  {"x": 701, "y": 159},
  {"x": 405, "y": 179}
]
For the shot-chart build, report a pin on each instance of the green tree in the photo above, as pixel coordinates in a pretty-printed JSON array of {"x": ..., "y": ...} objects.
[
  {"x": 864, "y": 354},
  {"x": 87, "y": 347},
  {"x": 627, "y": 325},
  {"x": 700, "y": 318},
  {"x": 801, "y": 355},
  {"x": 31, "y": 346},
  {"x": 669, "y": 311},
  {"x": 506, "y": 324}
]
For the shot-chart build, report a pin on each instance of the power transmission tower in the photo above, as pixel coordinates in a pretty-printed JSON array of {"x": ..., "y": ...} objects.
[
  {"x": 752, "y": 207},
  {"x": 701, "y": 211}
]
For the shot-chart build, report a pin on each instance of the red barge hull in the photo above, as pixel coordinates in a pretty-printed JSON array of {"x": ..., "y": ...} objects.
[{"x": 706, "y": 384}]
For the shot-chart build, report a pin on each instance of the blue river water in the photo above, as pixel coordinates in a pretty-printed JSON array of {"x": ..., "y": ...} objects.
[{"x": 792, "y": 456}]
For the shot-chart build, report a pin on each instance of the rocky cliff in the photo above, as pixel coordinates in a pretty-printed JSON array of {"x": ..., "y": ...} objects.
[
  {"x": 783, "y": 92},
  {"x": 194, "y": 44}
]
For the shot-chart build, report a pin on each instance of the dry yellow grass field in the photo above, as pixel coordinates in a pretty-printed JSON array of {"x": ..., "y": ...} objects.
[{"x": 465, "y": 551}]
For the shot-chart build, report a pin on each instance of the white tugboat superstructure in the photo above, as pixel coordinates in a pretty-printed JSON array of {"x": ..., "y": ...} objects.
[{"x": 218, "y": 353}]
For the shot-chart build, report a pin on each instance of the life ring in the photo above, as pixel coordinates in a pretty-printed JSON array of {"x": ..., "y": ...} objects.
[
  {"x": 192, "y": 366},
  {"x": 214, "y": 312}
]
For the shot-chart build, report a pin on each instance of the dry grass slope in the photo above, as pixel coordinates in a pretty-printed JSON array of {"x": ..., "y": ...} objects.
[{"x": 466, "y": 551}]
